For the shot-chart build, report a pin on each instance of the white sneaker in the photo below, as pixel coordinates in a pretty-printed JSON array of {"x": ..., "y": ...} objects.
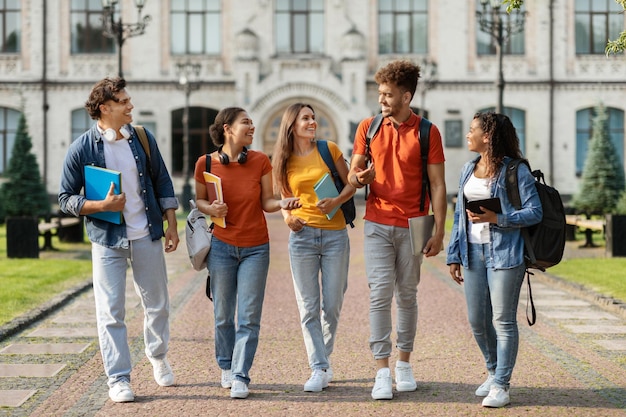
[
  {"x": 121, "y": 392},
  {"x": 498, "y": 397},
  {"x": 404, "y": 377},
  {"x": 483, "y": 390},
  {"x": 227, "y": 378},
  {"x": 382, "y": 387},
  {"x": 162, "y": 371},
  {"x": 239, "y": 389},
  {"x": 317, "y": 382},
  {"x": 329, "y": 375}
]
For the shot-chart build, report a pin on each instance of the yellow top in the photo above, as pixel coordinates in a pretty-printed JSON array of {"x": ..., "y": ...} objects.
[{"x": 303, "y": 172}]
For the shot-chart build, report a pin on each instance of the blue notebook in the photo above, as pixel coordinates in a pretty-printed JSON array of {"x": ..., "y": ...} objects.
[
  {"x": 97, "y": 183},
  {"x": 325, "y": 188}
]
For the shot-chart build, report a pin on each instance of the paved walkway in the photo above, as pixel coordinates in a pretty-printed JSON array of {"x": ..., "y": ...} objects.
[{"x": 571, "y": 363}]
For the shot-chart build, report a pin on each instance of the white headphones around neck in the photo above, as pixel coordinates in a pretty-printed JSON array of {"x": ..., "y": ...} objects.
[{"x": 111, "y": 136}]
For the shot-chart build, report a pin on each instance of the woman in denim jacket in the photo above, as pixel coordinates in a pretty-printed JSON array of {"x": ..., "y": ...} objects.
[{"x": 490, "y": 248}]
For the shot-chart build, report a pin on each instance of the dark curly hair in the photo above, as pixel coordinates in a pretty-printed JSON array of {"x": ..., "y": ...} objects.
[
  {"x": 403, "y": 74},
  {"x": 103, "y": 91},
  {"x": 503, "y": 139},
  {"x": 226, "y": 116}
]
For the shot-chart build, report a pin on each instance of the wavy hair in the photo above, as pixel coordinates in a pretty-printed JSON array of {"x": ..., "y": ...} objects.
[
  {"x": 403, "y": 74},
  {"x": 284, "y": 147},
  {"x": 103, "y": 91},
  {"x": 503, "y": 140}
]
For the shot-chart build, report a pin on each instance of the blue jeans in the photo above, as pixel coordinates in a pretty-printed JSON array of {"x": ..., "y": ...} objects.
[
  {"x": 312, "y": 250},
  {"x": 391, "y": 270},
  {"x": 492, "y": 297},
  {"x": 238, "y": 277},
  {"x": 109, "y": 288}
]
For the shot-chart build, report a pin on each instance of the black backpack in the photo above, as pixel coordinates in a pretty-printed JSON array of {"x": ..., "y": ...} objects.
[
  {"x": 545, "y": 241},
  {"x": 424, "y": 137},
  {"x": 348, "y": 208}
]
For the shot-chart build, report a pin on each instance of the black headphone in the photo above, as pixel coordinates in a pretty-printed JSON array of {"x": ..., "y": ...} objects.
[{"x": 225, "y": 160}]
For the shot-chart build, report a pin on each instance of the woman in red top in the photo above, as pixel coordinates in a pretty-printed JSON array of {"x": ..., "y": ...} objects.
[{"x": 239, "y": 258}]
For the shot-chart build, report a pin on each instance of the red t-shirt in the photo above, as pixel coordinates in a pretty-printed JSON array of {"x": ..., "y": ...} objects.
[
  {"x": 395, "y": 193},
  {"x": 241, "y": 184}
]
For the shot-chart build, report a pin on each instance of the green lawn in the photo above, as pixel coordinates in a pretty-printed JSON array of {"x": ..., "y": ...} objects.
[{"x": 26, "y": 283}]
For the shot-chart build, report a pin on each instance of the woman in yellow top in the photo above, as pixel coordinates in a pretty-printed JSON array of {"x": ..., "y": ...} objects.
[{"x": 316, "y": 243}]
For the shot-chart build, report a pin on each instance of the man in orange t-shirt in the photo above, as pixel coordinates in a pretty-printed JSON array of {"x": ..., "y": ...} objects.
[{"x": 395, "y": 180}]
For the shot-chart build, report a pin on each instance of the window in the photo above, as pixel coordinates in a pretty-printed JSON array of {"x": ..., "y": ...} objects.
[
  {"x": 299, "y": 26},
  {"x": 584, "y": 123},
  {"x": 9, "y": 119},
  {"x": 403, "y": 27},
  {"x": 196, "y": 27},
  {"x": 596, "y": 22},
  {"x": 518, "y": 118},
  {"x": 513, "y": 30},
  {"x": 10, "y": 32},
  {"x": 81, "y": 122},
  {"x": 87, "y": 30}
]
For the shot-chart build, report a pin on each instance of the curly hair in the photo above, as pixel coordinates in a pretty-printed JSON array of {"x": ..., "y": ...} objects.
[
  {"x": 503, "y": 139},
  {"x": 103, "y": 91},
  {"x": 284, "y": 147},
  {"x": 403, "y": 74},
  {"x": 226, "y": 116}
]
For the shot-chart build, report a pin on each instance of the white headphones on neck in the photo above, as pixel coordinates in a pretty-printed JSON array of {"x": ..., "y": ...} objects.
[{"x": 111, "y": 135}]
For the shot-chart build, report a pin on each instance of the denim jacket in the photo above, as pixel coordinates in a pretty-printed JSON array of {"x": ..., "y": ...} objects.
[
  {"x": 507, "y": 243},
  {"x": 88, "y": 149}
]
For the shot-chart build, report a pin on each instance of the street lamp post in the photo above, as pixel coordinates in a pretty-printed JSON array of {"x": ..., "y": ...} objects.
[
  {"x": 185, "y": 71},
  {"x": 122, "y": 31},
  {"x": 428, "y": 74},
  {"x": 491, "y": 22}
]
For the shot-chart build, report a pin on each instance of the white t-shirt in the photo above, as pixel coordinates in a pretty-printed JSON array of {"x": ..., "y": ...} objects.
[
  {"x": 477, "y": 189},
  {"x": 119, "y": 156}
]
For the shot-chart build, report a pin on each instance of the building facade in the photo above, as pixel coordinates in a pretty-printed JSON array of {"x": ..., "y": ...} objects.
[{"x": 263, "y": 55}]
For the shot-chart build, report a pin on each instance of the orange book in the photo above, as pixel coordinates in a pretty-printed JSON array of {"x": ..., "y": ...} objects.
[{"x": 214, "y": 191}]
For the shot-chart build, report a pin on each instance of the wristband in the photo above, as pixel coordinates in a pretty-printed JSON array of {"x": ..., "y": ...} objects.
[{"x": 359, "y": 182}]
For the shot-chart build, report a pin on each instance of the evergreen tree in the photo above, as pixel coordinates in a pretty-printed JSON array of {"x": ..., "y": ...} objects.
[
  {"x": 603, "y": 175},
  {"x": 24, "y": 193}
]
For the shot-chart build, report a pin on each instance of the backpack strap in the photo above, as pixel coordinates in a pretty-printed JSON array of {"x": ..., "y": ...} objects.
[
  {"x": 424, "y": 139},
  {"x": 145, "y": 144},
  {"x": 322, "y": 147},
  {"x": 208, "y": 163},
  {"x": 372, "y": 130},
  {"x": 512, "y": 191}
]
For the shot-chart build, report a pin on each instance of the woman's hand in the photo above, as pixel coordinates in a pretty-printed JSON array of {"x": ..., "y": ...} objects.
[
  {"x": 487, "y": 216},
  {"x": 217, "y": 209},
  {"x": 295, "y": 223},
  {"x": 455, "y": 273},
  {"x": 290, "y": 203},
  {"x": 326, "y": 205}
]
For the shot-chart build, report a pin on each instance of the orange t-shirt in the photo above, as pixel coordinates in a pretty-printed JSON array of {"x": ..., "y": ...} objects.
[
  {"x": 241, "y": 183},
  {"x": 395, "y": 193}
]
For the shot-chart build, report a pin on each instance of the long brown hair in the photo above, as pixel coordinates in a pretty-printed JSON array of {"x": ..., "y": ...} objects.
[
  {"x": 284, "y": 147},
  {"x": 503, "y": 139}
]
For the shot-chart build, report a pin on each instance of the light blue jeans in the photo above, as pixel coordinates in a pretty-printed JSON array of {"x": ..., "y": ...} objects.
[
  {"x": 311, "y": 251},
  {"x": 391, "y": 270},
  {"x": 109, "y": 287},
  {"x": 238, "y": 278},
  {"x": 492, "y": 297}
]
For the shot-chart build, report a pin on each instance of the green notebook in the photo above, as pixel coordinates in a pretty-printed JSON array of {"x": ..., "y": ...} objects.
[{"x": 325, "y": 188}]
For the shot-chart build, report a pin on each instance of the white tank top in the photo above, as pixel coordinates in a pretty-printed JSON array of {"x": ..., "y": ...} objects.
[{"x": 477, "y": 189}]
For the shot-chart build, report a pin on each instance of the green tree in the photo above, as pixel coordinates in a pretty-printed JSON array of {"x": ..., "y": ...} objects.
[
  {"x": 603, "y": 175},
  {"x": 24, "y": 193}
]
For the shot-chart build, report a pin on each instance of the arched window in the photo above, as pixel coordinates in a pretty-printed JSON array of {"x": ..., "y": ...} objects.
[
  {"x": 584, "y": 123},
  {"x": 81, "y": 122},
  {"x": 200, "y": 143},
  {"x": 9, "y": 119},
  {"x": 518, "y": 118}
]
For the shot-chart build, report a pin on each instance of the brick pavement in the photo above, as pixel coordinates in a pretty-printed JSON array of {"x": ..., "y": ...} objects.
[{"x": 571, "y": 363}]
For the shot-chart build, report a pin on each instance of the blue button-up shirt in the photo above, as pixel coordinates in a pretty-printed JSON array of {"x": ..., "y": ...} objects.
[
  {"x": 507, "y": 243},
  {"x": 88, "y": 149}
]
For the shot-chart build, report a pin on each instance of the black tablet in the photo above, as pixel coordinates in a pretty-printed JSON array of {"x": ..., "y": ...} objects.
[{"x": 492, "y": 204}]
